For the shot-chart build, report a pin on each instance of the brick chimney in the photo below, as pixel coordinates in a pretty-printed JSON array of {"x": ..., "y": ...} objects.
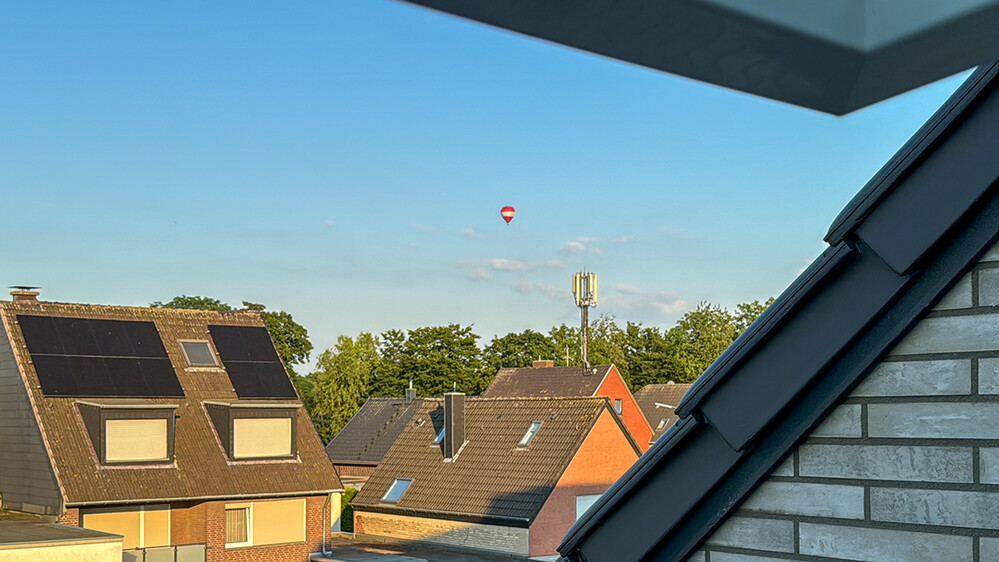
[
  {"x": 410, "y": 393},
  {"x": 543, "y": 363},
  {"x": 454, "y": 424},
  {"x": 24, "y": 294}
]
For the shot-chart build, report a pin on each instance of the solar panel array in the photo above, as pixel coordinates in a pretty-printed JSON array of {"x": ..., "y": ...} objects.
[
  {"x": 252, "y": 362},
  {"x": 91, "y": 357}
]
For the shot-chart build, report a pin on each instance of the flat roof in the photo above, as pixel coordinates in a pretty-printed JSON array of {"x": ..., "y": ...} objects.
[{"x": 19, "y": 530}]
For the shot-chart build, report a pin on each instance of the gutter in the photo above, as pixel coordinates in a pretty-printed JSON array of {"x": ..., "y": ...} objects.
[{"x": 205, "y": 498}]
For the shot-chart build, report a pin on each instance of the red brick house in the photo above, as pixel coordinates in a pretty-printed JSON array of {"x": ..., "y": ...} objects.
[
  {"x": 178, "y": 429},
  {"x": 504, "y": 475},
  {"x": 545, "y": 379}
]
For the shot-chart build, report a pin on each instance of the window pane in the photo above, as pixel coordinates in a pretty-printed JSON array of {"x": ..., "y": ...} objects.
[
  {"x": 236, "y": 525},
  {"x": 617, "y": 405},
  {"x": 198, "y": 354},
  {"x": 396, "y": 490},
  {"x": 279, "y": 522},
  {"x": 526, "y": 439},
  {"x": 261, "y": 438},
  {"x": 584, "y": 503},
  {"x": 135, "y": 440}
]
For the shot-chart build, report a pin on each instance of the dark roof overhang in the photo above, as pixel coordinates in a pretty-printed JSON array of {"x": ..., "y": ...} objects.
[{"x": 828, "y": 329}]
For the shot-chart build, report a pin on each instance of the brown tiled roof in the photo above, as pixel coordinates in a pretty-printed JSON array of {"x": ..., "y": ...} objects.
[
  {"x": 546, "y": 381},
  {"x": 491, "y": 479},
  {"x": 652, "y": 394},
  {"x": 201, "y": 469},
  {"x": 369, "y": 434}
]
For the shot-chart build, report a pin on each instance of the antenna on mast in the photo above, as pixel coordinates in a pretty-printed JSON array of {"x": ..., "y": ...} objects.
[{"x": 584, "y": 290}]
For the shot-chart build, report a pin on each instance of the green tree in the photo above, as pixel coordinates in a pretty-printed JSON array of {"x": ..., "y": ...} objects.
[
  {"x": 436, "y": 359},
  {"x": 194, "y": 303},
  {"x": 651, "y": 357},
  {"x": 566, "y": 341},
  {"x": 517, "y": 350},
  {"x": 342, "y": 378}
]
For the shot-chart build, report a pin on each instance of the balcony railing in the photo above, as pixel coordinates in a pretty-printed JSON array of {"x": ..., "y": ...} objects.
[{"x": 175, "y": 553}]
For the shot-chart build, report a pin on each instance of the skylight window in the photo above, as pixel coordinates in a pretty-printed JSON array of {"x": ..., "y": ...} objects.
[
  {"x": 440, "y": 436},
  {"x": 529, "y": 435},
  {"x": 662, "y": 422},
  {"x": 396, "y": 490},
  {"x": 198, "y": 354}
]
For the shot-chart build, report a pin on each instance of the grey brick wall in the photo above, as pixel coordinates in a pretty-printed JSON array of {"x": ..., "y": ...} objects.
[{"x": 907, "y": 467}]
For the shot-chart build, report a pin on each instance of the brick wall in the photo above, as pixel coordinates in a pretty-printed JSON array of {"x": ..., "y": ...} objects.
[
  {"x": 299, "y": 552},
  {"x": 603, "y": 457},
  {"x": 614, "y": 387},
  {"x": 509, "y": 540},
  {"x": 71, "y": 517},
  {"x": 907, "y": 467}
]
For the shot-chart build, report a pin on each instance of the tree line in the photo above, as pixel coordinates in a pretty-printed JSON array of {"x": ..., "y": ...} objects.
[{"x": 438, "y": 359}]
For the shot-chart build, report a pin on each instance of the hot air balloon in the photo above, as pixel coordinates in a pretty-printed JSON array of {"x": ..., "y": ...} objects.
[{"x": 507, "y": 213}]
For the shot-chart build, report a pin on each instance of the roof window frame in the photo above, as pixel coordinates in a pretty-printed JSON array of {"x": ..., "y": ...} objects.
[
  {"x": 532, "y": 431},
  {"x": 187, "y": 358},
  {"x": 396, "y": 482}
]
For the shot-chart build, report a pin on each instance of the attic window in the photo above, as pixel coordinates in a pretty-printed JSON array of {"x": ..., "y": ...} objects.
[
  {"x": 662, "y": 422},
  {"x": 255, "y": 430},
  {"x": 440, "y": 436},
  {"x": 617, "y": 405},
  {"x": 529, "y": 435},
  {"x": 396, "y": 490},
  {"x": 198, "y": 354},
  {"x": 130, "y": 432}
]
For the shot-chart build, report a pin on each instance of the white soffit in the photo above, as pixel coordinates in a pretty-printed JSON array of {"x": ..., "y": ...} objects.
[{"x": 831, "y": 55}]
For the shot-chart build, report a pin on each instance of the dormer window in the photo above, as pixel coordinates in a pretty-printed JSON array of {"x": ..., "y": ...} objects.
[
  {"x": 396, "y": 490},
  {"x": 255, "y": 430},
  {"x": 130, "y": 432},
  {"x": 198, "y": 353},
  {"x": 440, "y": 437},
  {"x": 529, "y": 434}
]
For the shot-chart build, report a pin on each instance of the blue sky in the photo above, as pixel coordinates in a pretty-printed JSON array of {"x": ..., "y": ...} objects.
[{"x": 346, "y": 161}]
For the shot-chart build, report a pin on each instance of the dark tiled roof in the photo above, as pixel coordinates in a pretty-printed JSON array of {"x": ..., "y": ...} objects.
[
  {"x": 370, "y": 433},
  {"x": 490, "y": 479},
  {"x": 658, "y": 402},
  {"x": 546, "y": 381},
  {"x": 201, "y": 469},
  {"x": 896, "y": 249}
]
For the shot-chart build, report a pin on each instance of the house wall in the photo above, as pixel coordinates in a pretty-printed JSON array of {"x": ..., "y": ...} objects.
[
  {"x": 603, "y": 457},
  {"x": 108, "y": 551},
  {"x": 27, "y": 481},
  {"x": 614, "y": 387},
  {"x": 904, "y": 469},
  {"x": 496, "y": 538},
  {"x": 204, "y": 523}
]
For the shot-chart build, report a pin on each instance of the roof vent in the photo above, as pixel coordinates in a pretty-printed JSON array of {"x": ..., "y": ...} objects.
[
  {"x": 410, "y": 392},
  {"x": 24, "y": 293},
  {"x": 543, "y": 363}
]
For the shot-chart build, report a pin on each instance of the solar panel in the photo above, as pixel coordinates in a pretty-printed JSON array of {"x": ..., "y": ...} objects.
[
  {"x": 251, "y": 361},
  {"x": 93, "y": 357}
]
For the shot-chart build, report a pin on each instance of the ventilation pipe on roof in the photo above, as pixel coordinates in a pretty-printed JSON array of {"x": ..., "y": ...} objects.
[
  {"x": 410, "y": 393},
  {"x": 23, "y": 293},
  {"x": 454, "y": 424}
]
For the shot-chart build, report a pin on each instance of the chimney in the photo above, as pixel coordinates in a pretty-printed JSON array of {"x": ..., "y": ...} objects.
[
  {"x": 24, "y": 294},
  {"x": 410, "y": 393},
  {"x": 543, "y": 363},
  {"x": 454, "y": 424}
]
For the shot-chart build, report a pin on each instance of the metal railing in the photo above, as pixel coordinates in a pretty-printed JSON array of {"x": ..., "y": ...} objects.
[{"x": 174, "y": 553}]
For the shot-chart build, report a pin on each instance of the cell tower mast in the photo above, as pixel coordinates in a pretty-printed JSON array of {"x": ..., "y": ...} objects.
[{"x": 584, "y": 289}]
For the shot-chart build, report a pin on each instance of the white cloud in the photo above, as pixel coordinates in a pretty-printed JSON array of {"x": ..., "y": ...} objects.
[
  {"x": 469, "y": 233},
  {"x": 329, "y": 223},
  {"x": 678, "y": 233},
  {"x": 477, "y": 274},
  {"x": 597, "y": 252},
  {"x": 479, "y": 269},
  {"x": 626, "y": 297},
  {"x": 507, "y": 265},
  {"x": 424, "y": 228},
  {"x": 572, "y": 248},
  {"x": 587, "y": 239},
  {"x": 624, "y": 238},
  {"x": 550, "y": 291}
]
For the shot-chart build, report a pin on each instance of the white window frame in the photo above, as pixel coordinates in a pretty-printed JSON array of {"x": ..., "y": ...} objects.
[
  {"x": 249, "y": 524},
  {"x": 409, "y": 482},
  {"x": 532, "y": 430},
  {"x": 618, "y": 405},
  {"x": 591, "y": 498},
  {"x": 215, "y": 359}
]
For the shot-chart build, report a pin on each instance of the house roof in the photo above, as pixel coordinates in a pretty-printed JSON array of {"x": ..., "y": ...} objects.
[
  {"x": 370, "y": 433},
  {"x": 19, "y": 530},
  {"x": 491, "y": 479},
  {"x": 894, "y": 252},
  {"x": 201, "y": 468},
  {"x": 658, "y": 403},
  {"x": 547, "y": 381}
]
